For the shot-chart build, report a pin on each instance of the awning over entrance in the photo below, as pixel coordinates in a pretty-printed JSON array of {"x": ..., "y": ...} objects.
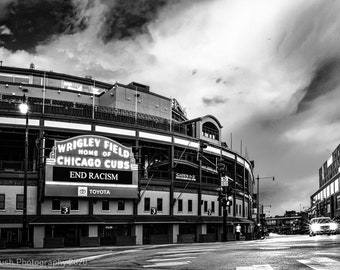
[{"x": 66, "y": 219}]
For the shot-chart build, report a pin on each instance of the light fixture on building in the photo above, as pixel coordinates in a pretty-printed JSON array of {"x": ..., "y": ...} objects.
[
  {"x": 6, "y": 85},
  {"x": 59, "y": 91}
]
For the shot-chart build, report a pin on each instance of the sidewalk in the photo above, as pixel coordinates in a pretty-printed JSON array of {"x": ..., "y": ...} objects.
[{"x": 69, "y": 249}]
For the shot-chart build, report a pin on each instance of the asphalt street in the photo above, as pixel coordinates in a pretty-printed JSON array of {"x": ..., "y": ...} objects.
[{"x": 276, "y": 252}]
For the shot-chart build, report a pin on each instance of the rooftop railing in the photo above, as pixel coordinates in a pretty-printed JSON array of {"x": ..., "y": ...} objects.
[{"x": 79, "y": 110}]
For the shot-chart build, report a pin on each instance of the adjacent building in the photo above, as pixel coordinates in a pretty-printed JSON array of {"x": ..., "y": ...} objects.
[
  {"x": 291, "y": 222},
  {"x": 326, "y": 200},
  {"x": 94, "y": 163}
]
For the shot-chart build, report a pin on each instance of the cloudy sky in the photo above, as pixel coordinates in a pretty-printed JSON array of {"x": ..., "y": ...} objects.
[{"x": 268, "y": 70}]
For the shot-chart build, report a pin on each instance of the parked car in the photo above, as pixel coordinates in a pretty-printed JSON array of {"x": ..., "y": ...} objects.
[{"x": 322, "y": 225}]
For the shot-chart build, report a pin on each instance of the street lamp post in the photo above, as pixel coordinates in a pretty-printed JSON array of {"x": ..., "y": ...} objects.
[
  {"x": 23, "y": 107},
  {"x": 258, "y": 196}
]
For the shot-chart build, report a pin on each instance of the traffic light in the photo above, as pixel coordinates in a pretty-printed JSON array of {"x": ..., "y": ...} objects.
[
  {"x": 221, "y": 197},
  {"x": 229, "y": 199},
  {"x": 221, "y": 168},
  {"x": 202, "y": 145}
]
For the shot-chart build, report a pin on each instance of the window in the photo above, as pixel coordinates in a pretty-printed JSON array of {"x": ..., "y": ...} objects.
[
  {"x": 212, "y": 207},
  {"x": 146, "y": 204},
  {"x": 121, "y": 205},
  {"x": 205, "y": 206},
  {"x": 74, "y": 204},
  {"x": 189, "y": 205},
  {"x": 105, "y": 205},
  {"x": 180, "y": 205},
  {"x": 160, "y": 204},
  {"x": 332, "y": 188},
  {"x": 55, "y": 204},
  {"x": 338, "y": 202},
  {"x": 2, "y": 201},
  {"x": 20, "y": 202},
  {"x": 240, "y": 210}
]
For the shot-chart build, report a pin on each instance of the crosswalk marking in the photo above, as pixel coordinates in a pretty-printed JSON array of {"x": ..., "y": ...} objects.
[
  {"x": 176, "y": 256},
  {"x": 255, "y": 267},
  {"x": 321, "y": 263}
]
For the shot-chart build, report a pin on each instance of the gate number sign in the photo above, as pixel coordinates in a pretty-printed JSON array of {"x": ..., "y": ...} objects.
[{"x": 153, "y": 211}]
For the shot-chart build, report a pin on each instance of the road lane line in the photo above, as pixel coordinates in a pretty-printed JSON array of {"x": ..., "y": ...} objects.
[
  {"x": 184, "y": 254},
  {"x": 169, "y": 259},
  {"x": 91, "y": 258},
  {"x": 255, "y": 267},
  {"x": 166, "y": 264},
  {"x": 184, "y": 251}
]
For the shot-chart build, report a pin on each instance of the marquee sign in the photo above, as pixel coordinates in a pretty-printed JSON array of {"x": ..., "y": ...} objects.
[
  {"x": 90, "y": 160},
  {"x": 90, "y": 151}
]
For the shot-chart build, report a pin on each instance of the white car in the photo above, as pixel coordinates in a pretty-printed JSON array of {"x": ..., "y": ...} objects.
[{"x": 322, "y": 225}]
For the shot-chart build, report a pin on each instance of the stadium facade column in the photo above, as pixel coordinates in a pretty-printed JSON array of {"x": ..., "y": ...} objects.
[
  {"x": 234, "y": 187},
  {"x": 199, "y": 195},
  {"x": 137, "y": 229},
  {"x": 172, "y": 175},
  {"x": 244, "y": 190},
  {"x": 174, "y": 230},
  {"x": 41, "y": 170}
]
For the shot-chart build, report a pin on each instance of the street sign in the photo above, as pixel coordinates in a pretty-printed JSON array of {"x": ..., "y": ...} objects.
[
  {"x": 224, "y": 181},
  {"x": 153, "y": 211}
]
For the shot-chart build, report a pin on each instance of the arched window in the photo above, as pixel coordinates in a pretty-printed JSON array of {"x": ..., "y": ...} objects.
[{"x": 210, "y": 131}]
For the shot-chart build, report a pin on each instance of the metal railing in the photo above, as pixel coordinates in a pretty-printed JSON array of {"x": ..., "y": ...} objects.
[{"x": 102, "y": 113}]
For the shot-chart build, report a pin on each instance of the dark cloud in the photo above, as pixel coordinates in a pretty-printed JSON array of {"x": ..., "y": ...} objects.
[
  {"x": 128, "y": 18},
  {"x": 218, "y": 80},
  {"x": 33, "y": 22},
  {"x": 326, "y": 79},
  {"x": 214, "y": 101}
]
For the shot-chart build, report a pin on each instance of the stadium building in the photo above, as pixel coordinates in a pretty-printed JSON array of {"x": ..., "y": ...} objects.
[{"x": 94, "y": 163}]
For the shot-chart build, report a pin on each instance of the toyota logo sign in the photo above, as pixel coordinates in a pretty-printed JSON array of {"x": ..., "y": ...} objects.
[{"x": 82, "y": 191}]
